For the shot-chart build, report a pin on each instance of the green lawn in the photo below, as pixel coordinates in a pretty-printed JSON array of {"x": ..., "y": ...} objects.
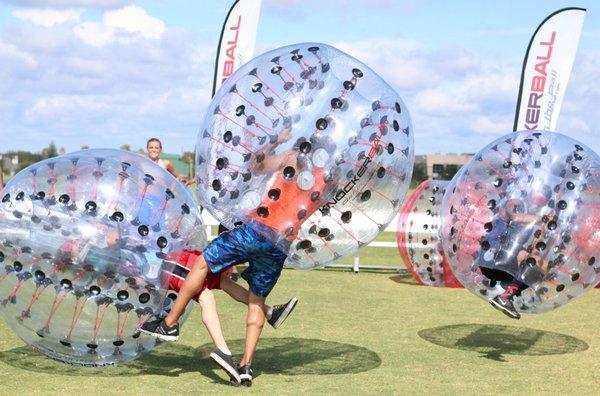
[
  {"x": 363, "y": 333},
  {"x": 376, "y": 256},
  {"x": 386, "y": 236}
]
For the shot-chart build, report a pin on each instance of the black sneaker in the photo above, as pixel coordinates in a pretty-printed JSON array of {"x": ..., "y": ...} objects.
[
  {"x": 506, "y": 306},
  {"x": 226, "y": 362},
  {"x": 245, "y": 375},
  {"x": 159, "y": 329},
  {"x": 281, "y": 312}
]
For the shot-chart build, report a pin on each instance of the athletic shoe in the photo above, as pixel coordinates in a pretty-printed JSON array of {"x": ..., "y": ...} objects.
[
  {"x": 245, "y": 375},
  {"x": 506, "y": 306},
  {"x": 281, "y": 312},
  {"x": 159, "y": 329},
  {"x": 504, "y": 302},
  {"x": 226, "y": 362}
]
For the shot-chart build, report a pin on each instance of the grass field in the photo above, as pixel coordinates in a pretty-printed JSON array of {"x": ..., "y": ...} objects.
[{"x": 365, "y": 333}]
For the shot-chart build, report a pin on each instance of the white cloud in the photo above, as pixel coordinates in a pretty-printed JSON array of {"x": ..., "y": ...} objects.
[
  {"x": 11, "y": 52},
  {"x": 498, "y": 85},
  {"x": 156, "y": 103},
  {"x": 443, "y": 102},
  {"x": 94, "y": 34},
  {"x": 127, "y": 25},
  {"x": 93, "y": 85},
  {"x": 47, "y": 17},
  {"x": 68, "y": 3},
  {"x": 491, "y": 125},
  {"x": 135, "y": 20},
  {"x": 48, "y": 108},
  {"x": 570, "y": 125},
  {"x": 392, "y": 58}
]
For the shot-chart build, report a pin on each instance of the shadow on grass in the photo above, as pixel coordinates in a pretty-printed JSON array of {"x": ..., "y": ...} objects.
[
  {"x": 405, "y": 280},
  {"x": 495, "y": 341},
  {"x": 288, "y": 356}
]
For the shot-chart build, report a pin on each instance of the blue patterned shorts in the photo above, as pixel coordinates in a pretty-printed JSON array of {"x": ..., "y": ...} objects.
[{"x": 245, "y": 244}]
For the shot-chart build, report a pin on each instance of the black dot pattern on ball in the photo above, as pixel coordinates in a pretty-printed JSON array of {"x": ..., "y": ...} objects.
[
  {"x": 289, "y": 172},
  {"x": 268, "y": 81},
  {"x": 262, "y": 211},
  {"x": 365, "y": 196},
  {"x": 161, "y": 242},
  {"x": 274, "y": 194}
]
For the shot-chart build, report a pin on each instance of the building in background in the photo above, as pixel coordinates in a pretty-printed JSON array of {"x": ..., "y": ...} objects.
[{"x": 442, "y": 166}]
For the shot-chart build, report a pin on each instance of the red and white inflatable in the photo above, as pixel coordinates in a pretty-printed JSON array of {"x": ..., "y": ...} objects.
[{"x": 418, "y": 236}]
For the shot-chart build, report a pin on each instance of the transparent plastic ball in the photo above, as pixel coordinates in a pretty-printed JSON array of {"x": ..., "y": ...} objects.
[
  {"x": 520, "y": 210},
  {"x": 311, "y": 143},
  {"x": 418, "y": 236},
  {"x": 82, "y": 242}
]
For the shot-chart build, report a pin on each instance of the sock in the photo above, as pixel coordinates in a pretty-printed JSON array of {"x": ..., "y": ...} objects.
[
  {"x": 269, "y": 313},
  {"x": 225, "y": 351},
  {"x": 510, "y": 290}
]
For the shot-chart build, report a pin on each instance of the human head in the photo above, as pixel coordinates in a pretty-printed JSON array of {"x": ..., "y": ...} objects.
[{"x": 154, "y": 148}]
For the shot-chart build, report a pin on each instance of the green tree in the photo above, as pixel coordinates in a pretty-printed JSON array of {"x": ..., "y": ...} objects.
[
  {"x": 419, "y": 174},
  {"x": 50, "y": 151},
  {"x": 85, "y": 147},
  {"x": 189, "y": 158},
  {"x": 125, "y": 147},
  {"x": 26, "y": 158}
]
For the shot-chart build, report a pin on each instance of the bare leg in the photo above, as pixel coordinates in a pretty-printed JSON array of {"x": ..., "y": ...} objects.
[
  {"x": 191, "y": 286},
  {"x": 237, "y": 292},
  {"x": 254, "y": 325},
  {"x": 210, "y": 318}
]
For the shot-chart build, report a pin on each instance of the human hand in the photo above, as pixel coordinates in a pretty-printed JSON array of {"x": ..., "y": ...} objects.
[{"x": 284, "y": 135}]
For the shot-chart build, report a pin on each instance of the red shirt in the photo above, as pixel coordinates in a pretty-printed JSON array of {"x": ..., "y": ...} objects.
[
  {"x": 286, "y": 206},
  {"x": 186, "y": 259}
]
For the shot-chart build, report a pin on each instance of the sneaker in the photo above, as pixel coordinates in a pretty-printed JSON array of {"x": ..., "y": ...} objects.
[
  {"x": 506, "y": 306},
  {"x": 281, "y": 312},
  {"x": 246, "y": 375},
  {"x": 226, "y": 362},
  {"x": 159, "y": 329}
]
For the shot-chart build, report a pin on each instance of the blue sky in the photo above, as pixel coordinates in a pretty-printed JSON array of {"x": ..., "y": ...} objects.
[{"x": 65, "y": 76}]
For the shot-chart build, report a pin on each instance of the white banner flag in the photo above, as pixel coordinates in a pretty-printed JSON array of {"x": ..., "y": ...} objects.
[
  {"x": 546, "y": 69},
  {"x": 237, "y": 41}
]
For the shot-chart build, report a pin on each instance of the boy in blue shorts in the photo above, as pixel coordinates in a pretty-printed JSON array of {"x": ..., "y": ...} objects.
[
  {"x": 263, "y": 241},
  {"x": 181, "y": 263}
]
